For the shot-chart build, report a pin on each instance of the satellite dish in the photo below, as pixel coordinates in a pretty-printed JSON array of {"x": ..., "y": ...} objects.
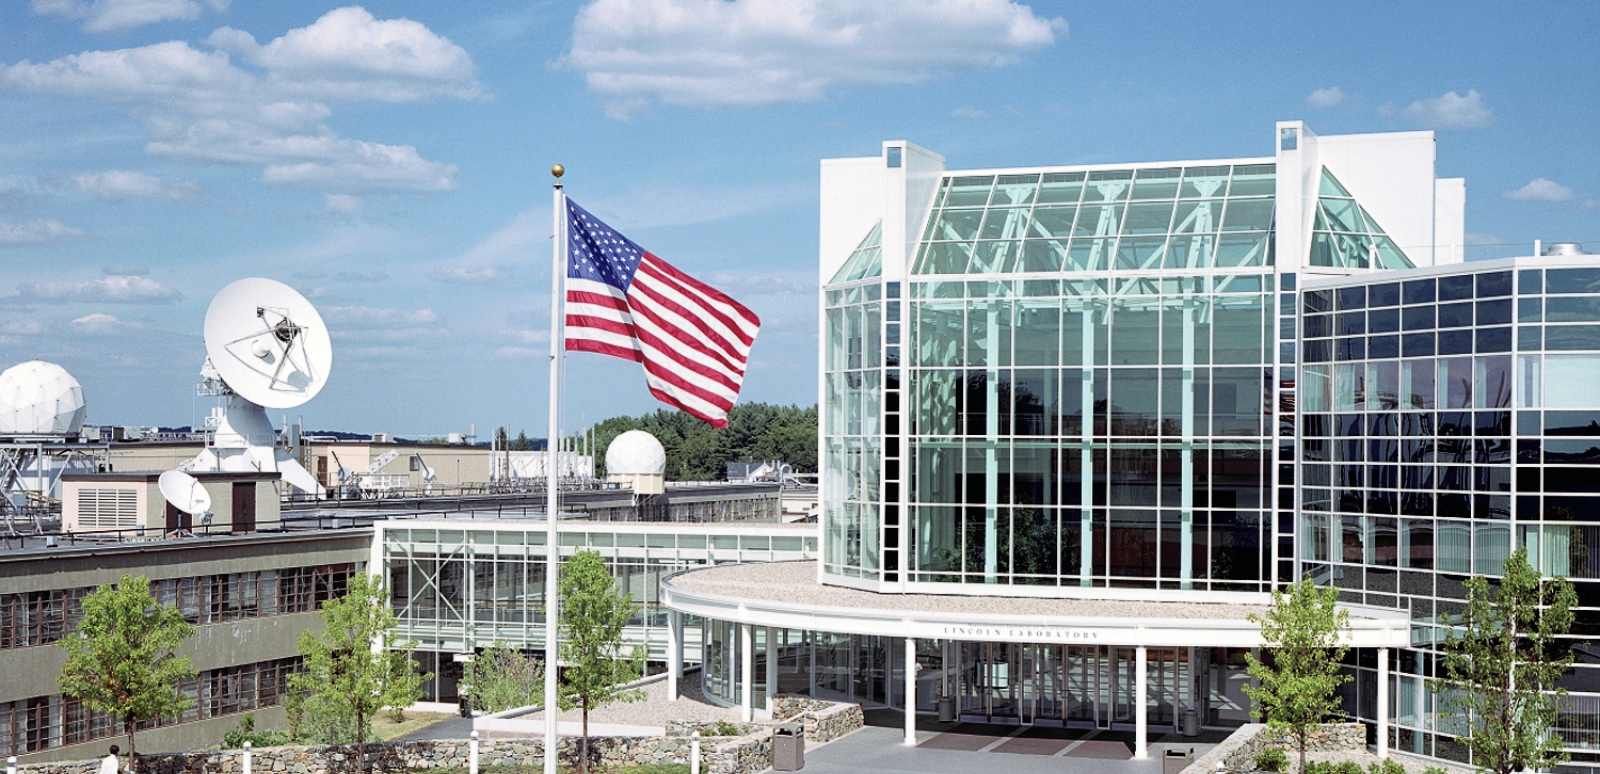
[
  {"x": 184, "y": 492},
  {"x": 267, "y": 342}
]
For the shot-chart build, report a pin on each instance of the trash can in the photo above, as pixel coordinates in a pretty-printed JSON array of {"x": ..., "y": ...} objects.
[
  {"x": 1191, "y": 723},
  {"x": 947, "y": 710},
  {"x": 788, "y": 747},
  {"x": 1175, "y": 761}
]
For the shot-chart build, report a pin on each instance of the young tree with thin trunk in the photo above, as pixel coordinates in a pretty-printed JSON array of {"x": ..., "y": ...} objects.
[
  {"x": 595, "y": 662},
  {"x": 354, "y": 668},
  {"x": 1501, "y": 665},
  {"x": 123, "y": 659},
  {"x": 1305, "y": 634}
]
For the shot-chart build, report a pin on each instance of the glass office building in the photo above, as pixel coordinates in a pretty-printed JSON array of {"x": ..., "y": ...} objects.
[
  {"x": 1449, "y": 417},
  {"x": 1124, "y": 401}
]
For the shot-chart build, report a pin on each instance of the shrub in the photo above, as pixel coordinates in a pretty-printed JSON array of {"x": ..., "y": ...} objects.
[
  {"x": 246, "y": 732},
  {"x": 1330, "y": 767},
  {"x": 724, "y": 728},
  {"x": 1272, "y": 759},
  {"x": 1433, "y": 770},
  {"x": 1388, "y": 766}
]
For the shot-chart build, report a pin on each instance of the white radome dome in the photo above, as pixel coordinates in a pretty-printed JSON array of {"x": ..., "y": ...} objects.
[
  {"x": 636, "y": 453},
  {"x": 39, "y": 398}
]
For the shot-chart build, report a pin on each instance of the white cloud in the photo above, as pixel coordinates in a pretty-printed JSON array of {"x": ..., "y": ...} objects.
[
  {"x": 17, "y": 192},
  {"x": 101, "y": 324},
  {"x": 533, "y": 337},
  {"x": 1322, "y": 99},
  {"x": 117, "y": 15},
  {"x": 1450, "y": 111},
  {"x": 470, "y": 275},
  {"x": 116, "y": 290},
  {"x": 361, "y": 276},
  {"x": 510, "y": 242},
  {"x": 36, "y": 233},
  {"x": 663, "y": 204},
  {"x": 520, "y": 352},
  {"x": 348, "y": 54},
  {"x": 342, "y": 204},
  {"x": 119, "y": 185},
  {"x": 266, "y": 105},
  {"x": 23, "y": 328},
  {"x": 753, "y": 52},
  {"x": 1541, "y": 190},
  {"x": 366, "y": 166},
  {"x": 367, "y": 315},
  {"x": 757, "y": 284}
]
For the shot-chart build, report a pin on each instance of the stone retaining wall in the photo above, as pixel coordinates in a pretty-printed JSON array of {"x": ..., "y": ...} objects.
[
  {"x": 747, "y": 753},
  {"x": 1238, "y": 752},
  {"x": 412, "y": 756},
  {"x": 824, "y": 721}
]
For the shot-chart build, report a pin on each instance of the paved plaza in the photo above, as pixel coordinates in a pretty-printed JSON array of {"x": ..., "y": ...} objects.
[{"x": 968, "y": 748}]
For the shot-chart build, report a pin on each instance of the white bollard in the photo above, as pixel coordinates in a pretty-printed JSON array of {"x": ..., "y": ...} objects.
[
  {"x": 472, "y": 754},
  {"x": 247, "y": 757},
  {"x": 11, "y": 765},
  {"x": 694, "y": 753}
]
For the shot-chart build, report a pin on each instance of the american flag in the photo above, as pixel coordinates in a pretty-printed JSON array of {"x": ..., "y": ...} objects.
[{"x": 622, "y": 301}]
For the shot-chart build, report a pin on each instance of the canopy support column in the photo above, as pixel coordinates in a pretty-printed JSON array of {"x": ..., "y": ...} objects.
[{"x": 1141, "y": 703}]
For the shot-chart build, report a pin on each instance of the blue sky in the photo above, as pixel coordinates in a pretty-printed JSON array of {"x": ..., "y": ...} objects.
[{"x": 390, "y": 160}]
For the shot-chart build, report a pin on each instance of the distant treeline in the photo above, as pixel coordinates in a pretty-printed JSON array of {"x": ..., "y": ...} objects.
[{"x": 756, "y": 432}]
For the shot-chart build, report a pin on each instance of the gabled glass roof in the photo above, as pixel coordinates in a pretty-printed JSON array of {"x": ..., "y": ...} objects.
[
  {"x": 1345, "y": 235},
  {"x": 866, "y": 261},
  {"x": 1114, "y": 219}
]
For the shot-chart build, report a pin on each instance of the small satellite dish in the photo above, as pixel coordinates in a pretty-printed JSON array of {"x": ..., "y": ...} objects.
[
  {"x": 268, "y": 343},
  {"x": 184, "y": 492}
]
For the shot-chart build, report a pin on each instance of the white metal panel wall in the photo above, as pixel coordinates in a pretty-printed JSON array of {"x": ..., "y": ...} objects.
[
  {"x": 1449, "y": 221},
  {"x": 1392, "y": 176}
]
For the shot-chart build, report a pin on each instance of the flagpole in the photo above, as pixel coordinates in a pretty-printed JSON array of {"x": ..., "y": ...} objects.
[{"x": 552, "y": 587}]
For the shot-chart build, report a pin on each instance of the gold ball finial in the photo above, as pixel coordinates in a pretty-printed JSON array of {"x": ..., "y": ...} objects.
[{"x": 558, "y": 170}]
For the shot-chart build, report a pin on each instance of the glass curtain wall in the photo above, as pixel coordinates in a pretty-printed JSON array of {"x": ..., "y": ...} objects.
[
  {"x": 852, "y": 422},
  {"x": 1090, "y": 361},
  {"x": 457, "y": 589},
  {"x": 1444, "y": 421}
]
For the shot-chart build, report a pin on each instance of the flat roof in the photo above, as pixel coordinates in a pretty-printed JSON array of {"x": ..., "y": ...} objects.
[{"x": 788, "y": 595}]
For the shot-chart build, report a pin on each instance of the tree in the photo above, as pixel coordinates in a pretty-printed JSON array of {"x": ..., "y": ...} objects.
[
  {"x": 502, "y": 678},
  {"x": 1501, "y": 665},
  {"x": 596, "y": 662},
  {"x": 353, "y": 668},
  {"x": 124, "y": 661},
  {"x": 1304, "y": 631},
  {"x": 522, "y": 443}
]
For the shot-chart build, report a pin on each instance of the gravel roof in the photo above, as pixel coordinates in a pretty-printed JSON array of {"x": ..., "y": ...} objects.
[{"x": 796, "y": 583}]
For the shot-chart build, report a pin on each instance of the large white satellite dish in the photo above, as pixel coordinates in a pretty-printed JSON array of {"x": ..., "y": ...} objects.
[
  {"x": 266, "y": 347},
  {"x": 184, "y": 492},
  {"x": 268, "y": 343}
]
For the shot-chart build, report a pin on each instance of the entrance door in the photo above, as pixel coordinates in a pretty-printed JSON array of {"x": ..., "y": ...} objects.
[
  {"x": 1049, "y": 685},
  {"x": 244, "y": 506},
  {"x": 989, "y": 685},
  {"x": 1123, "y": 685},
  {"x": 1086, "y": 686}
]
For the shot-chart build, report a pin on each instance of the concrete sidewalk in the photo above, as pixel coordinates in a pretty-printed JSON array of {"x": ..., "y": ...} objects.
[{"x": 880, "y": 749}]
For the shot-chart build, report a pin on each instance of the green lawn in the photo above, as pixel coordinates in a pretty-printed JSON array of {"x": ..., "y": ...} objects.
[{"x": 383, "y": 730}]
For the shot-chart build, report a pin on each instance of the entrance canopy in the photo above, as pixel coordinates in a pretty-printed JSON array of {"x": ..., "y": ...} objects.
[{"x": 787, "y": 595}]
